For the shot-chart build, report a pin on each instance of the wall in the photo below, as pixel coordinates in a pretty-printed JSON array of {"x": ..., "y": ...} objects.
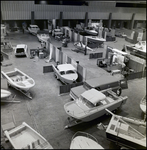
[{"x": 21, "y": 10}]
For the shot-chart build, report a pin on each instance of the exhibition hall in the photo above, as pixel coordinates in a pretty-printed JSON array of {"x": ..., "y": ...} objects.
[{"x": 73, "y": 74}]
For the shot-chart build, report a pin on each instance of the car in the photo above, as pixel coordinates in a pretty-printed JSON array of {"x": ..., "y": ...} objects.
[
  {"x": 92, "y": 104},
  {"x": 66, "y": 73},
  {"x": 99, "y": 84},
  {"x": 21, "y": 50},
  {"x": 33, "y": 29},
  {"x": 57, "y": 32}
]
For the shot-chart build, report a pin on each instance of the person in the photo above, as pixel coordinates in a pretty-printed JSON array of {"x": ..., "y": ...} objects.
[
  {"x": 114, "y": 59},
  {"x": 85, "y": 52},
  {"x": 124, "y": 49}
]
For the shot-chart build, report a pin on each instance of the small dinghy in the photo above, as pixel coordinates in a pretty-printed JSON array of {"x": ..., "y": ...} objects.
[
  {"x": 82, "y": 140},
  {"x": 25, "y": 137},
  {"x": 127, "y": 132},
  {"x": 19, "y": 81},
  {"x": 5, "y": 94}
]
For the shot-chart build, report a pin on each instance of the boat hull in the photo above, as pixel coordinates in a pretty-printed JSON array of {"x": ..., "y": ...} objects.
[
  {"x": 25, "y": 137},
  {"x": 5, "y": 94},
  {"x": 23, "y": 82},
  {"x": 95, "y": 113}
]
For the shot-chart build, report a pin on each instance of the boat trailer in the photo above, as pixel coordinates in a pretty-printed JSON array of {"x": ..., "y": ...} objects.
[
  {"x": 26, "y": 93},
  {"x": 72, "y": 122}
]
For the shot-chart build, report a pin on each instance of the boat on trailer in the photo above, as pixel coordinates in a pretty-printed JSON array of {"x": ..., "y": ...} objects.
[
  {"x": 91, "y": 105},
  {"x": 81, "y": 47},
  {"x": 19, "y": 80},
  {"x": 25, "y": 137},
  {"x": 127, "y": 132},
  {"x": 83, "y": 140}
]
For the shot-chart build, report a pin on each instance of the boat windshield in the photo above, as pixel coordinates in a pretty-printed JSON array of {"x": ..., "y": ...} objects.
[
  {"x": 69, "y": 72},
  {"x": 86, "y": 86},
  {"x": 62, "y": 72},
  {"x": 86, "y": 102}
]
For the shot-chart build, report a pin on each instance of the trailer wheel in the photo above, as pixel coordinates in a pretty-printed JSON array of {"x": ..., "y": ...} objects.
[{"x": 119, "y": 91}]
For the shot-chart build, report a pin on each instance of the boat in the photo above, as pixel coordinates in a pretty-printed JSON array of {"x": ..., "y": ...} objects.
[
  {"x": 5, "y": 94},
  {"x": 138, "y": 49},
  {"x": 66, "y": 73},
  {"x": 82, "y": 140},
  {"x": 25, "y": 137},
  {"x": 19, "y": 79},
  {"x": 43, "y": 36},
  {"x": 33, "y": 29},
  {"x": 91, "y": 31},
  {"x": 127, "y": 132},
  {"x": 81, "y": 47},
  {"x": 143, "y": 104},
  {"x": 92, "y": 104}
]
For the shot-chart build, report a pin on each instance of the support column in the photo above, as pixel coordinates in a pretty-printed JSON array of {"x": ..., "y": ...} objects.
[
  {"x": 109, "y": 22},
  {"x": 1, "y": 18},
  {"x": 132, "y": 21},
  {"x": 32, "y": 17},
  {"x": 61, "y": 16},
  {"x": 121, "y": 24},
  {"x": 69, "y": 23},
  {"x": 128, "y": 23},
  {"x": 86, "y": 19},
  {"x": 45, "y": 25}
]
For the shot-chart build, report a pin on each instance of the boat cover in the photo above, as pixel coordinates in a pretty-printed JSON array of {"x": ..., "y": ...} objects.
[
  {"x": 93, "y": 96},
  {"x": 65, "y": 67}
]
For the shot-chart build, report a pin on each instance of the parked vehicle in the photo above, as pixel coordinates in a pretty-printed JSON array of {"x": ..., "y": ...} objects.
[
  {"x": 25, "y": 137},
  {"x": 21, "y": 50},
  {"x": 92, "y": 104},
  {"x": 83, "y": 140},
  {"x": 99, "y": 84},
  {"x": 33, "y": 29},
  {"x": 57, "y": 32},
  {"x": 127, "y": 132},
  {"x": 66, "y": 73}
]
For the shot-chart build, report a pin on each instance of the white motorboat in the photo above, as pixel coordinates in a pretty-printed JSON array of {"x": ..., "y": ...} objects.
[
  {"x": 25, "y": 137},
  {"x": 43, "y": 36},
  {"x": 33, "y": 29},
  {"x": 91, "y": 31},
  {"x": 5, "y": 94},
  {"x": 82, "y": 140},
  {"x": 66, "y": 73},
  {"x": 19, "y": 80},
  {"x": 127, "y": 132},
  {"x": 92, "y": 104},
  {"x": 81, "y": 47}
]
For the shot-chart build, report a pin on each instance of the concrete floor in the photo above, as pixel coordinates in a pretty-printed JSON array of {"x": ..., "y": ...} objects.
[{"x": 45, "y": 112}]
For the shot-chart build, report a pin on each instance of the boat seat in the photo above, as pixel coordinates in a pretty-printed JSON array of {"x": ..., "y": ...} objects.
[{"x": 142, "y": 129}]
